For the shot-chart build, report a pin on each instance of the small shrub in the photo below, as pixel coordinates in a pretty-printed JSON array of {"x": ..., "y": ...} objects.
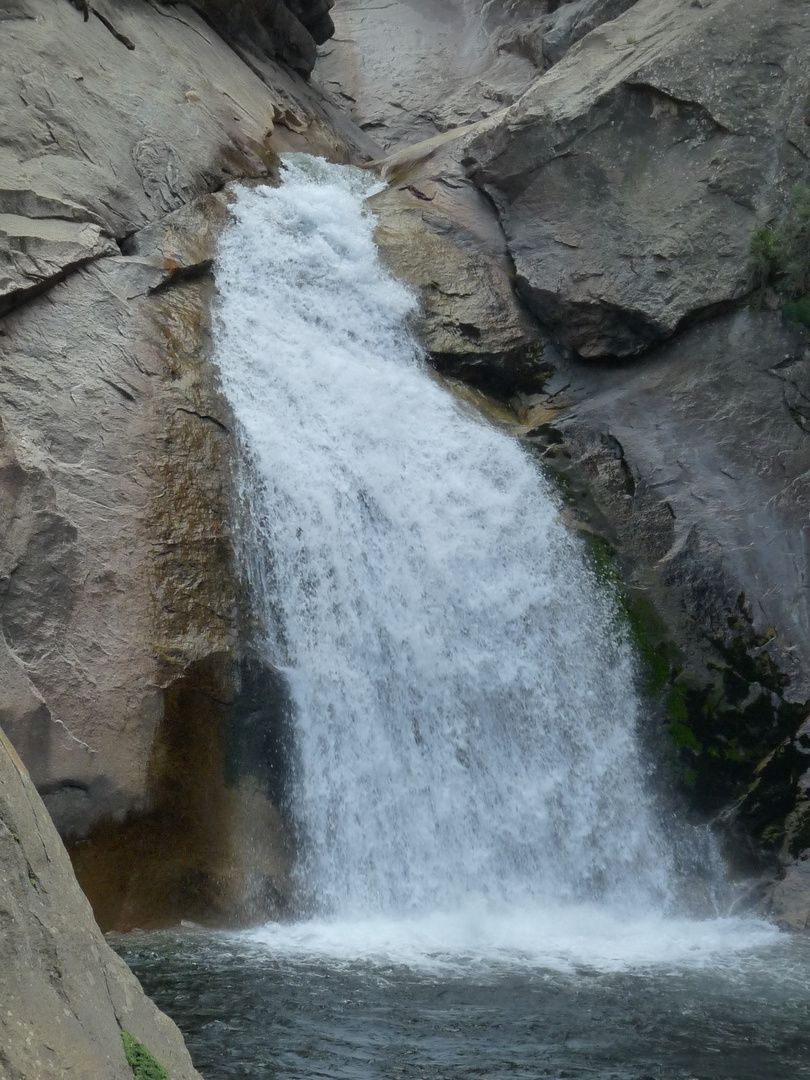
[
  {"x": 683, "y": 737},
  {"x": 798, "y": 310},
  {"x": 143, "y": 1065},
  {"x": 780, "y": 256}
]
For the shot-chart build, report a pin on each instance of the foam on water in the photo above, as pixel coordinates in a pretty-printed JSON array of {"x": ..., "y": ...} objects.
[
  {"x": 465, "y": 720},
  {"x": 555, "y": 939}
]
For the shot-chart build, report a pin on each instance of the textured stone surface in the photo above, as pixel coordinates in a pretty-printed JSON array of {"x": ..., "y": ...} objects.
[
  {"x": 123, "y": 619},
  {"x": 409, "y": 69},
  {"x": 693, "y": 464},
  {"x": 709, "y": 449},
  {"x": 788, "y": 904},
  {"x": 437, "y": 232},
  {"x": 64, "y": 994},
  {"x": 285, "y": 30},
  {"x": 100, "y": 139},
  {"x": 630, "y": 177}
]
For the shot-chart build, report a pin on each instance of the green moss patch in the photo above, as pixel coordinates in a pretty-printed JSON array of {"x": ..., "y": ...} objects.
[
  {"x": 143, "y": 1065},
  {"x": 780, "y": 256},
  {"x": 638, "y": 621},
  {"x": 683, "y": 737}
]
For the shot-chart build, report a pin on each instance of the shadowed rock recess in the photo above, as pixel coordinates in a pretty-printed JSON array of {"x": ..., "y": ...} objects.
[{"x": 573, "y": 190}]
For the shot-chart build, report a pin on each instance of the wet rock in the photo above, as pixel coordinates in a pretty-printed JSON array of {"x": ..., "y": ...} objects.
[
  {"x": 789, "y": 902},
  {"x": 437, "y": 232},
  {"x": 66, "y": 995},
  {"x": 692, "y": 464},
  {"x": 122, "y": 611},
  {"x": 285, "y": 30},
  {"x": 573, "y": 20}
]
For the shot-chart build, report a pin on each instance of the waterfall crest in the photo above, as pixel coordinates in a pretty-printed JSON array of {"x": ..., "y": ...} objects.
[{"x": 465, "y": 714}]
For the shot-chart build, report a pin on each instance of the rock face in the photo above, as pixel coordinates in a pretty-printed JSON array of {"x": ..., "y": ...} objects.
[
  {"x": 692, "y": 464},
  {"x": 128, "y": 684},
  {"x": 630, "y": 178},
  {"x": 407, "y": 71},
  {"x": 285, "y": 30},
  {"x": 581, "y": 247},
  {"x": 66, "y": 995},
  {"x": 437, "y": 232}
]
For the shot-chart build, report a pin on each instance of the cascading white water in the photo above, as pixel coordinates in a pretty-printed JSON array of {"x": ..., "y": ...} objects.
[{"x": 465, "y": 713}]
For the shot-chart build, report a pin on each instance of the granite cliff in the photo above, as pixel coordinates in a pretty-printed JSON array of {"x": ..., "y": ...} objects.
[
  {"x": 574, "y": 189},
  {"x": 128, "y": 685}
]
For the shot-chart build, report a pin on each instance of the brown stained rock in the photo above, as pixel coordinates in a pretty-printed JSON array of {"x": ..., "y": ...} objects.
[
  {"x": 66, "y": 996},
  {"x": 118, "y": 584},
  {"x": 439, "y": 234},
  {"x": 212, "y": 846}
]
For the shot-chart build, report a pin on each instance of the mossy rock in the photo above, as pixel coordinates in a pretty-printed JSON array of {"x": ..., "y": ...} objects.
[
  {"x": 143, "y": 1065},
  {"x": 639, "y": 622}
]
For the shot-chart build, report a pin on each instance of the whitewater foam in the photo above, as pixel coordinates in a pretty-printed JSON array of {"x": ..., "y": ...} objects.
[{"x": 555, "y": 939}]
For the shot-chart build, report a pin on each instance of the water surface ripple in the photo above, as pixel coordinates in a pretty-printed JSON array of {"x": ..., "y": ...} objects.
[{"x": 247, "y": 1013}]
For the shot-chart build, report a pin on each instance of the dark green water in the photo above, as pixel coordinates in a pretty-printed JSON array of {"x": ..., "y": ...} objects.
[{"x": 249, "y": 1012}]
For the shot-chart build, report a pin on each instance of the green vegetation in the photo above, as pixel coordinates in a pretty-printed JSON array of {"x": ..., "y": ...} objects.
[
  {"x": 141, "y": 1061},
  {"x": 798, "y": 310},
  {"x": 683, "y": 737},
  {"x": 638, "y": 621},
  {"x": 676, "y": 705},
  {"x": 780, "y": 256}
]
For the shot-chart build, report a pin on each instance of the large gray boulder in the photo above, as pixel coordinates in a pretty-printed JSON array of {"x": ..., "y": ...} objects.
[
  {"x": 629, "y": 179},
  {"x": 286, "y": 30},
  {"x": 65, "y": 997}
]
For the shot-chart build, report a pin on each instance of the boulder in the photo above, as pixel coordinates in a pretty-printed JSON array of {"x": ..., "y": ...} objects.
[
  {"x": 439, "y": 234},
  {"x": 630, "y": 178},
  {"x": 285, "y": 30},
  {"x": 66, "y": 997}
]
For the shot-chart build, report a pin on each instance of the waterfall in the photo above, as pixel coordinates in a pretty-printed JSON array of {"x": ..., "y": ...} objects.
[{"x": 465, "y": 728}]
